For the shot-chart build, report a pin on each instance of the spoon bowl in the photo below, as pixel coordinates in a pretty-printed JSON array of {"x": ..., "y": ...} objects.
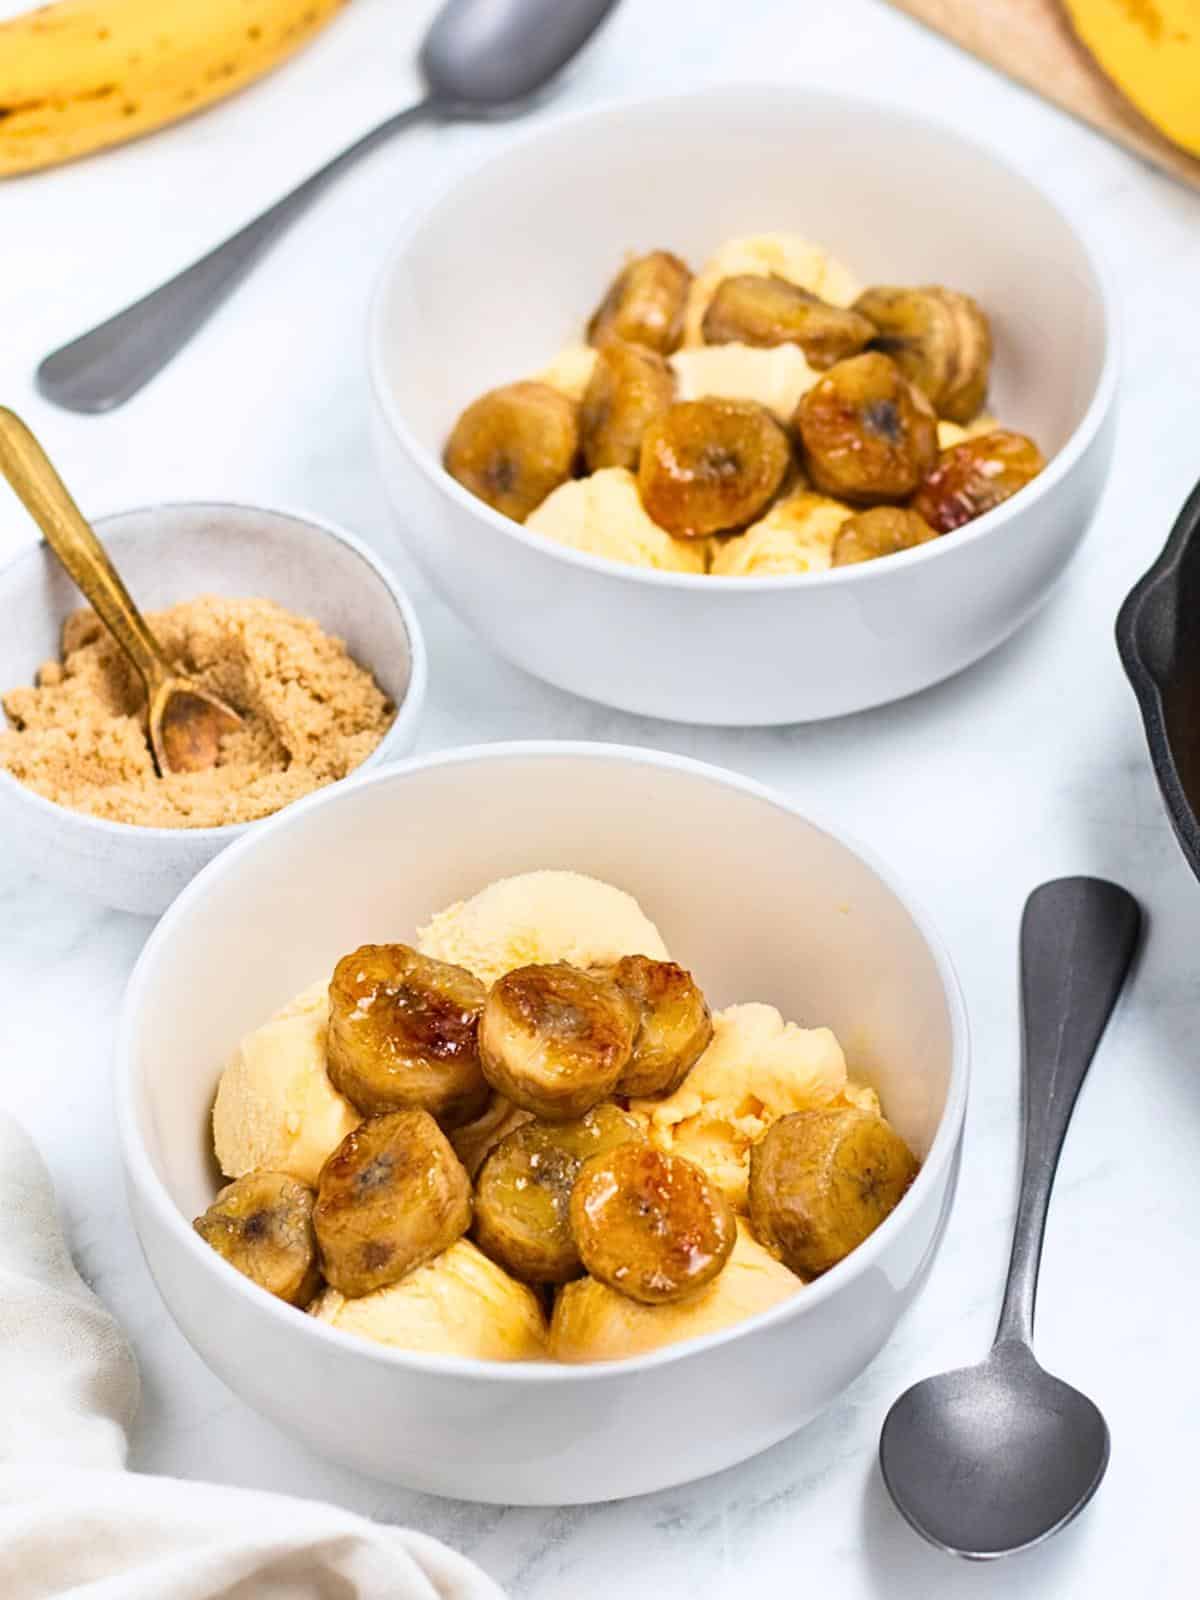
[
  {"x": 991, "y": 1459},
  {"x": 186, "y": 724},
  {"x": 185, "y": 721}
]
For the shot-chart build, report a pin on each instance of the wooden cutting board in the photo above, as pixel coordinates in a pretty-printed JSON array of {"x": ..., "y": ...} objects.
[{"x": 1032, "y": 41}]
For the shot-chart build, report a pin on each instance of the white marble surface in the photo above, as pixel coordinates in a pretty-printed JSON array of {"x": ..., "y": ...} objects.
[{"x": 1029, "y": 766}]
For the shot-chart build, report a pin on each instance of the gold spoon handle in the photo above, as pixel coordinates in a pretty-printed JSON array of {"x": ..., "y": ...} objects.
[{"x": 46, "y": 497}]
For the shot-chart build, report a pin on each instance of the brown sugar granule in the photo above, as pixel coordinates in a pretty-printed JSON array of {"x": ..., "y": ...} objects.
[{"x": 309, "y": 715}]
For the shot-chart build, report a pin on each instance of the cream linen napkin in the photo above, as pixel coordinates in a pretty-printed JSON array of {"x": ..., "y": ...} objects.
[{"x": 74, "y": 1523}]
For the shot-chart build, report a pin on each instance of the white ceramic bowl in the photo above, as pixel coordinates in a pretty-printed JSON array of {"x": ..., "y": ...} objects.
[
  {"x": 758, "y": 901},
  {"x": 501, "y": 270},
  {"x": 176, "y": 552}
]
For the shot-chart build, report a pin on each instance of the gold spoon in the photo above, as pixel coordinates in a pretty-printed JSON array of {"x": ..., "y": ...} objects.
[{"x": 185, "y": 721}]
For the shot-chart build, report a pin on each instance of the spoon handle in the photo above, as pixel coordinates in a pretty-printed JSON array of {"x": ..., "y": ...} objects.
[
  {"x": 48, "y": 500},
  {"x": 1078, "y": 936},
  {"x": 102, "y": 368}
]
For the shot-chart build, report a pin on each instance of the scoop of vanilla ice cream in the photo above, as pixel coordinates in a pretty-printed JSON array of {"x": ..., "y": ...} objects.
[
  {"x": 571, "y": 370},
  {"x": 276, "y": 1109},
  {"x": 950, "y": 434},
  {"x": 796, "y": 535},
  {"x": 603, "y": 514},
  {"x": 592, "y": 1322},
  {"x": 757, "y": 1068},
  {"x": 775, "y": 377},
  {"x": 862, "y": 1097},
  {"x": 786, "y": 255},
  {"x": 458, "y": 1304},
  {"x": 539, "y": 917}
]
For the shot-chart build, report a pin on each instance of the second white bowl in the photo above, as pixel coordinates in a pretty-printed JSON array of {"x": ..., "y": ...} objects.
[{"x": 502, "y": 269}]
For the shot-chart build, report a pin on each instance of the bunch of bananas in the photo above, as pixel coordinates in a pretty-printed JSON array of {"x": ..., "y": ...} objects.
[{"x": 82, "y": 74}]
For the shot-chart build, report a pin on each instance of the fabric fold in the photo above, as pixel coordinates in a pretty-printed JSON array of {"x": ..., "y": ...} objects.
[{"x": 74, "y": 1523}]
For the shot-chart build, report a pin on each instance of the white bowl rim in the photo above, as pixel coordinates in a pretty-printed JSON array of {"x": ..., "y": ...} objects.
[
  {"x": 408, "y": 710},
  {"x": 140, "y": 1171},
  {"x": 865, "y": 572}
]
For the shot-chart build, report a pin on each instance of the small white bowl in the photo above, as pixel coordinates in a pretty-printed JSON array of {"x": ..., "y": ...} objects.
[
  {"x": 760, "y": 902},
  {"x": 176, "y": 552},
  {"x": 490, "y": 279}
]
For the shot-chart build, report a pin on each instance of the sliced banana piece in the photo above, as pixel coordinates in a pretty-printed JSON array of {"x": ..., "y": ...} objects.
[
  {"x": 822, "y": 1181},
  {"x": 756, "y": 310},
  {"x": 879, "y": 531},
  {"x": 650, "y": 1225},
  {"x": 555, "y": 1040},
  {"x": 630, "y": 386},
  {"x": 404, "y": 1032},
  {"x": 603, "y": 514},
  {"x": 674, "y": 1024},
  {"x": 523, "y": 1196},
  {"x": 709, "y": 466},
  {"x": 263, "y": 1226},
  {"x": 867, "y": 434},
  {"x": 939, "y": 339},
  {"x": 513, "y": 445},
  {"x": 475, "y": 1141},
  {"x": 644, "y": 304},
  {"x": 785, "y": 255},
  {"x": 392, "y": 1196},
  {"x": 975, "y": 477}
]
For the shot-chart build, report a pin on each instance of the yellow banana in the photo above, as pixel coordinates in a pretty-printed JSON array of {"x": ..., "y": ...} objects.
[
  {"x": 1151, "y": 51},
  {"x": 82, "y": 74}
]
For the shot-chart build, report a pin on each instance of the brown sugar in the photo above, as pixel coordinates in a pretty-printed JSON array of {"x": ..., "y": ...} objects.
[{"x": 310, "y": 714}]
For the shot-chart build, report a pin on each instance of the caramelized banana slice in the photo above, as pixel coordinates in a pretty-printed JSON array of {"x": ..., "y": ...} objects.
[
  {"x": 867, "y": 434},
  {"x": 881, "y": 531},
  {"x": 939, "y": 339},
  {"x": 644, "y": 304},
  {"x": 976, "y": 476},
  {"x": 754, "y": 310},
  {"x": 675, "y": 1027},
  {"x": 522, "y": 1201},
  {"x": 821, "y": 1181},
  {"x": 630, "y": 386},
  {"x": 404, "y": 1031},
  {"x": 512, "y": 446},
  {"x": 711, "y": 465},
  {"x": 474, "y": 1142},
  {"x": 649, "y": 1224},
  {"x": 391, "y": 1196},
  {"x": 263, "y": 1226},
  {"x": 554, "y": 1040}
]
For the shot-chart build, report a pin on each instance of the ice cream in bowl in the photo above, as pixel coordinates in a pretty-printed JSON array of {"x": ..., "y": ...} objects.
[{"x": 524, "y": 1094}]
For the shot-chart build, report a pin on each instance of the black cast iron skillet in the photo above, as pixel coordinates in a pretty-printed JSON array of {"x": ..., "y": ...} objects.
[{"x": 1158, "y": 635}]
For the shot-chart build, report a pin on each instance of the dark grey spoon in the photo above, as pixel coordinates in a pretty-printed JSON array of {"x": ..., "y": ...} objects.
[
  {"x": 991, "y": 1459},
  {"x": 481, "y": 59}
]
